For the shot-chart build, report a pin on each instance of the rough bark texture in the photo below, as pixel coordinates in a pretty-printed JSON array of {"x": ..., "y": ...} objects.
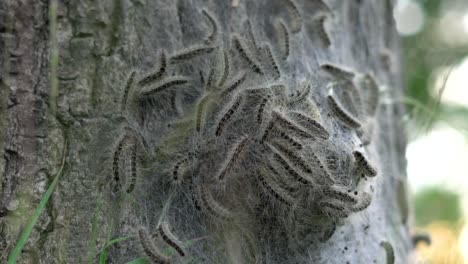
[{"x": 100, "y": 43}]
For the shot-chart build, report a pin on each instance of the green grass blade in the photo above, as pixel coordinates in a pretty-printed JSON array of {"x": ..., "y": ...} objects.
[
  {"x": 27, "y": 231},
  {"x": 139, "y": 261},
  {"x": 94, "y": 231},
  {"x": 103, "y": 255}
]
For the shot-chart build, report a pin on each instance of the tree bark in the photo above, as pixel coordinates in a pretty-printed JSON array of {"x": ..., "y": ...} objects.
[{"x": 100, "y": 44}]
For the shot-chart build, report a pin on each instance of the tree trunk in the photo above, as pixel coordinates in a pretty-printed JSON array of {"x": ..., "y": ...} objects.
[{"x": 274, "y": 162}]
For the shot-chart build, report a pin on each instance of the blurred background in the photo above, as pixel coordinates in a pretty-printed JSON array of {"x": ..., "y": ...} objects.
[{"x": 435, "y": 57}]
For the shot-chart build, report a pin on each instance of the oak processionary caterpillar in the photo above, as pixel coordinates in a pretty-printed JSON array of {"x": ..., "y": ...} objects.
[
  {"x": 214, "y": 26},
  {"x": 191, "y": 53},
  {"x": 313, "y": 126},
  {"x": 337, "y": 71},
  {"x": 151, "y": 78},
  {"x": 233, "y": 156},
  {"x": 389, "y": 251},
  {"x": 133, "y": 167},
  {"x": 295, "y": 15},
  {"x": 283, "y": 38},
  {"x": 274, "y": 190},
  {"x": 165, "y": 84},
  {"x": 170, "y": 238},
  {"x": 212, "y": 206},
  {"x": 245, "y": 54},
  {"x": 229, "y": 113},
  {"x": 272, "y": 60},
  {"x": 226, "y": 69},
  {"x": 127, "y": 88},
  {"x": 364, "y": 165},
  {"x": 150, "y": 250},
  {"x": 341, "y": 113}
]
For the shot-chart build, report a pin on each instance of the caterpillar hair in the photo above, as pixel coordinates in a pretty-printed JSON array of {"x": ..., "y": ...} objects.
[
  {"x": 272, "y": 60},
  {"x": 163, "y": 85},
  {"x": 235, "y": 83},
  {"x": 213, "y": 207},
  {"x": 133, "y": 166},
  {"x": 339, "y": 72},
  {"x": 226, "y": 69},
  {"x": 274, "y": 190},
  {"x": 364, "y": 165}
]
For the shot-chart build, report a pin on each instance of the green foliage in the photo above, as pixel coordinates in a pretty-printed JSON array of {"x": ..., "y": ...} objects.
[{"x": 434, "y": 204}]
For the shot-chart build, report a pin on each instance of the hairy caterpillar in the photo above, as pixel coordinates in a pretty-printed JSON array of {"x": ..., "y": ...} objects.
[
  {"x": 235, "y": 83},
  {"x": 288, "y": 124},
  {"x": 296, "y": 20},
  {"x": 341, "y": 113},
  {"x": 313, "y": 126},
  {"x": 228, "y": 114},
  {"x": 333, "y": 210},
  {"x": 283, "y": 38},
  {"x": 233, "y": 156},
  {"x": 191, "y": 53},
  {"x": 226, "y": 69},
  {"x": 327, "y": 180},
  {"x": 127, "y": 88},
  {"x": 364, "y": 165},
  {"x": 214, "y": 26},
  {"x": 175, "y": 170},
  {"x": 213, "y": 207},
  {"x": 133, "y": 167},
  {"x": 274, "y": 190},
  {"x": 283, "y": 161},
  {"x": 150, "y": 250},
  {"x": 200, "y": 112},
  {"x": 151, "y": 78},
  {"x": 272, "y": 60},
  {"x": 246, "y": 54},
  {"x": 340, "y": 196},
  {"x": 293, "y": 158},
  {"x": 389, "y": 251},
  {"x": 288, "y": 139},
  {"x": 165, "y": 84},
  {"x": 116, "y": 157},
  {"x": 261, "y": 108},
  {"x": 170, "y": 238},
  {"x": 321, "y": 31},
  {"x": 365, "y": 200},
  {"x": 337, "y": 71}
]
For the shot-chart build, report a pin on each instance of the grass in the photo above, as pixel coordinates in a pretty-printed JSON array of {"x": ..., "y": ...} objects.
[{"x": 27, "y": 231}]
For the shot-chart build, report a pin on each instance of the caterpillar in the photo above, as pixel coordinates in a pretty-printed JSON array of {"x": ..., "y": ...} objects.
[
  {"x": 170, "y": 238},
  {"x": 267, "y": 131},
  {"x": 261, "y": 108},
  {"x": 333, "y": 210},
  {"x": 364, "y": 165},
  {"x": 288, "y": 124},
  {"x": 133, "y": 166},
  {"x": 327, "y": 180},
  {"x": 283, "y": 38},
  {"x": 167, "y": 83},
  {"x": 151, "y": 78},
  {"x": 272, "y": 60},
  {"x": 116, "y": 158},
  {"x": 245, "y": 54},
  {"x": 389, "y": 251},
  {"x": 226, "y": 69},
  {"x": 288, "y": 139},
  {"x": 373, "y": 96},
  {"x": 235, "y": 83},
  {"x": 340, "y": 196},
  {"x": 232, "y": 158},
  {"x": 321, "y": 30},
  {"x": 214, "y": 26},
  {"x": 293, "y": 158},
  {"x": 127, "y": 88},
  {"x": 342, "y": 114},
  {"x": 312, "y": 125},
  {"x": 213, "y": 207},
  {"x": 199, "y": 119},
  {"x": 365, "y": 200},
  {"x": 191, "y": 53},
  {"x": 211, "y": 79},
  {"x": 227, "y": 116},
  {"x": 337, "y": 71},
  {"x": 175, "y": 170},
  {"x": 274, "y": 190},
  {"x": 296, "y": 20},
  {"x": 150, "y": 250},
  {"x": 281, "y": 181},
  {"x": 287, "y": 167}
]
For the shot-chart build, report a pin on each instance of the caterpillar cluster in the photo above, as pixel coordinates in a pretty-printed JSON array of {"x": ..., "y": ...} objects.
[{"x": 253, "y": 146}]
